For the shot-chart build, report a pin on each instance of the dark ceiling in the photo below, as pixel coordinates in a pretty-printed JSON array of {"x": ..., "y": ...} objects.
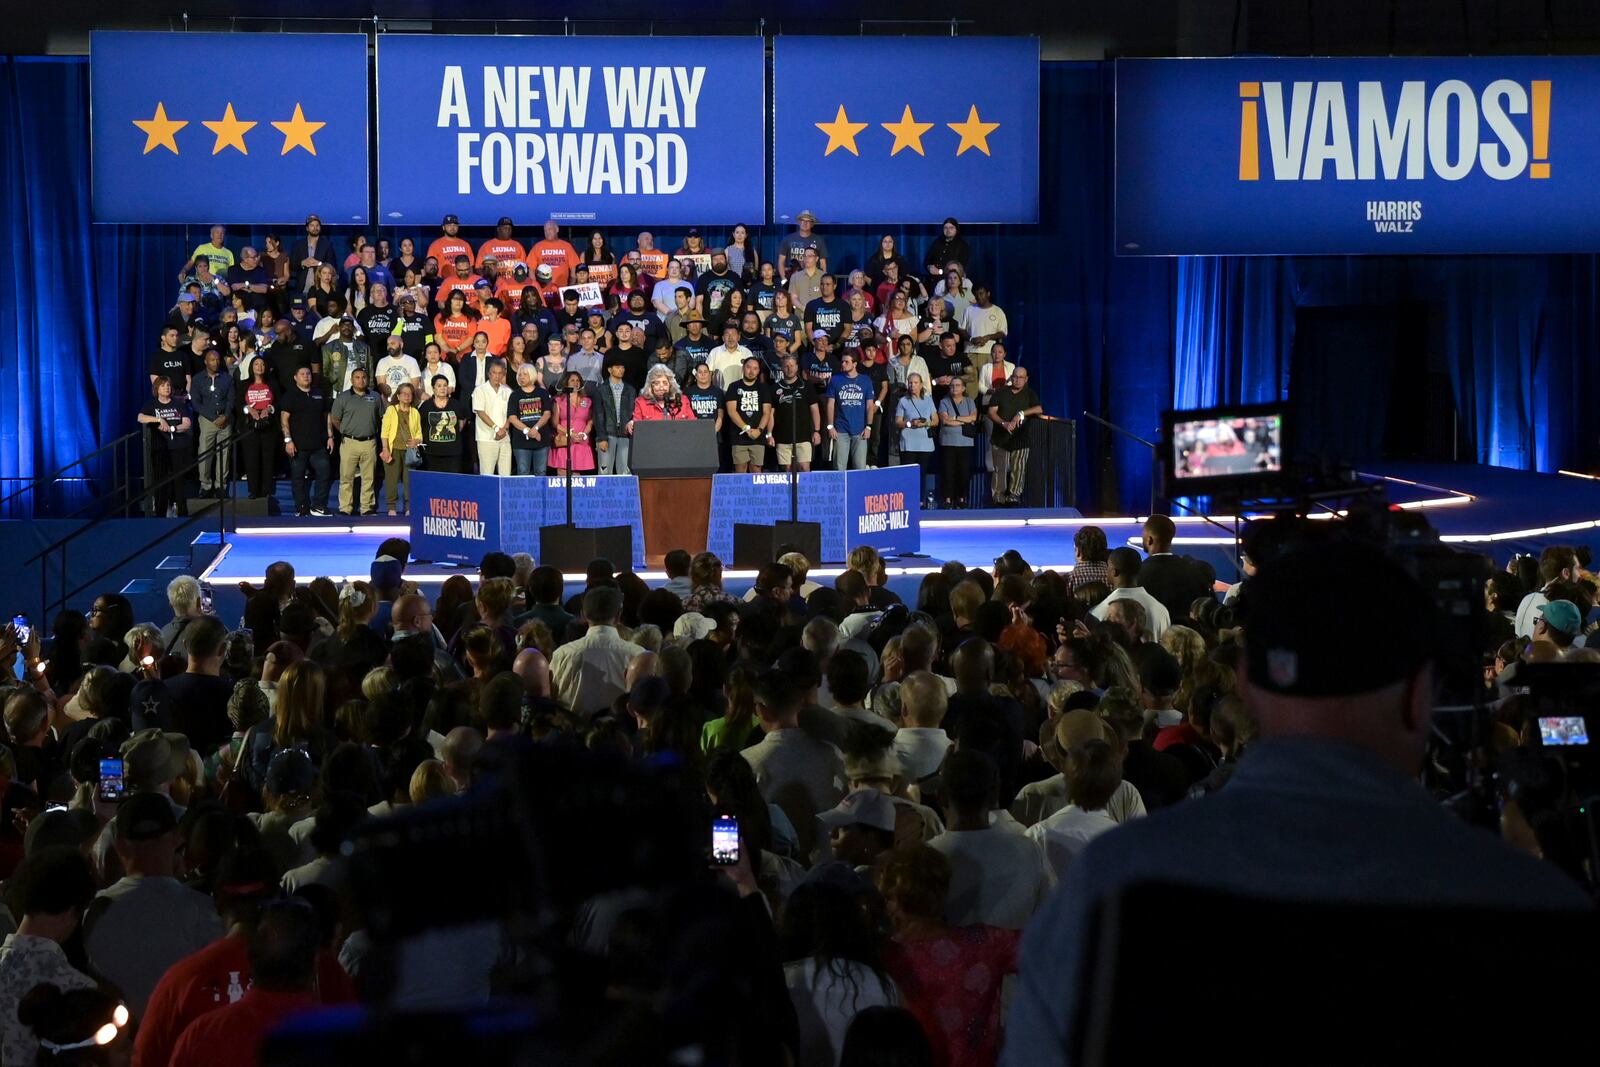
[{"x": 1069, "y": 29}]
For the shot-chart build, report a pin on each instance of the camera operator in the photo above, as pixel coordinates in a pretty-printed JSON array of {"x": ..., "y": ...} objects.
[{"x": 1325, "y": 807}]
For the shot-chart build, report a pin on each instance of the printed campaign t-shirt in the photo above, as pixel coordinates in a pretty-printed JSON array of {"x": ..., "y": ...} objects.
[
  {"x": 749, "y": 400},
  {"x": 446, "y": 249},
  {"x": 506, "y": 253},
  {"x": 820, "y": 372},
  {"x": 784, "y": 326},
  {"x": 705, "y": 403},
  {"x": 850, "y": 396},
  {"x": 171, "y": 413},
  {"x": 529, "y": 405},
  {"x": 697, "y": 351},
  {"x": 827, "y": 315},
  {"x": 762, "y": 297},
  {"x": 441, "y": 427},
  {"x": 258, "y": 397}
]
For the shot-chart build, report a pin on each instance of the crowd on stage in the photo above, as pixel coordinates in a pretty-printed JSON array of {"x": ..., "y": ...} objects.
[
  {"x": 363, "y": 362},
  {"x": 930, "y": 796}
]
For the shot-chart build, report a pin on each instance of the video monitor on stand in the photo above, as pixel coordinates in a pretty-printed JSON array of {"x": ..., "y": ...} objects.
[{"x": 1230, "y": 453}]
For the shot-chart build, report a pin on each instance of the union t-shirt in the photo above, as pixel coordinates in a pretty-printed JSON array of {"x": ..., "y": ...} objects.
[{"x": 850, "y": 396}]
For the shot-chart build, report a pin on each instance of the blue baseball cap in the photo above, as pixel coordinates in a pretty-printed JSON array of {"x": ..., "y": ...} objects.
[{"x": 1562, "y": 615}]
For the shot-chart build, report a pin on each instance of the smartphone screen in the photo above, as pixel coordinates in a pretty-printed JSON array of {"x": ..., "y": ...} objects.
[
  {"x": 110, "y": 780},
  {"x": 1563, "y": 730},
  {"x": 725, "y": 840},
  {"x": 23, "y": 627}
]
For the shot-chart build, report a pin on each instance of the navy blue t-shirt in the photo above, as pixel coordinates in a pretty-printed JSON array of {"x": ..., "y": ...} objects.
[{"x": 850, "y": 396}]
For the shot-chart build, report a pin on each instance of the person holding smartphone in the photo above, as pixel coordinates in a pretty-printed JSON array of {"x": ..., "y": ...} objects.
[{"x": 916, "y": 418}]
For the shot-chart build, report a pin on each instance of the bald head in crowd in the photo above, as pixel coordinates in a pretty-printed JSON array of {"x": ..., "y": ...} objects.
[
  {"x": 412, "y": 615},
  {"x": 534, "y": 670}
]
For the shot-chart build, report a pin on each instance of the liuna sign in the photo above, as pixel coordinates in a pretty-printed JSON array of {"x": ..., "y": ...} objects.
[{"x": 1284, "y": 156}]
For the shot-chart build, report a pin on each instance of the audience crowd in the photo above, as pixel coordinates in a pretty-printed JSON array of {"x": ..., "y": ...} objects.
[
  {"x": 911, "y": 781},
  {"x": 500, "y": 357}
]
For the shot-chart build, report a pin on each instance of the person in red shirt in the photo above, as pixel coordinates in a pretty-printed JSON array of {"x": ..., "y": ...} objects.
[
  {"x": 455, "y": 325},
  {"x": 661, "y": 398},
  {"x": 949, "y": 977},
  {"x": 506, "y": 250},
  {"x": 220, "y": 974},
  {"x": 283, "y": 951},
  {"x": 884, "y": 290},
  {"x": 464, "y": 279},
  {"x": 554, "y": 253},
  {"x": 496, "y": 325},
  {"x": 449, "y": 244}
]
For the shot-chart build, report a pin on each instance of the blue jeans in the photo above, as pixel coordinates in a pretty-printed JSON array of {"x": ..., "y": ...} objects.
[
  {"x": 850, "y": 452},
  {"x": 529, "y": 460},
  {"x": 614, "y": 460}
]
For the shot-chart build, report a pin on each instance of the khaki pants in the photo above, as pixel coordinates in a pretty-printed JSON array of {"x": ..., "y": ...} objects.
[
  {"x": 494, "y": 457},
  {"x": 358, "y": 457},
  {"x": 214, "y": 468}
]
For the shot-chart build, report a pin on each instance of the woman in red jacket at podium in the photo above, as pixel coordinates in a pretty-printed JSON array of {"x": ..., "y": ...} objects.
[
  {"x": 661, "y": 398},
  {"x": 574, "y": 411}
]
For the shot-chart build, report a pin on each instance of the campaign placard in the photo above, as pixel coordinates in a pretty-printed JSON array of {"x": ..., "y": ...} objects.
[
  {"x": 1269, "y": 156},
  {"x": 611, "y": 130}
]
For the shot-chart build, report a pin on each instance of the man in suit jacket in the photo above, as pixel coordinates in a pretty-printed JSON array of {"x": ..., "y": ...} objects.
[
  {"x": 1176, "y": 581},
  {"x": 310, "y": 252}
]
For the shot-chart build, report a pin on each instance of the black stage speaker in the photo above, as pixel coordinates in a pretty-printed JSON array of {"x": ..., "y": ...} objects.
[
  {"x": 570, "y": 548},
  {"x": 755, "y": 546}
]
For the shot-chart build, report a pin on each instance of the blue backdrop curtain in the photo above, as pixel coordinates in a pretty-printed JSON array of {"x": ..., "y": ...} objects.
[{"x": 1124, "y": 338}]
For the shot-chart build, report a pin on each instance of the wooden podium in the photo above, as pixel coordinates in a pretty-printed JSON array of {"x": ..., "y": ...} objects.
[{"x": 674, "y": 461}]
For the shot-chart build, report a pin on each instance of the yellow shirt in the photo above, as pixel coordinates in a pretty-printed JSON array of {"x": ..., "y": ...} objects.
[{"x": 391, "y": 425}]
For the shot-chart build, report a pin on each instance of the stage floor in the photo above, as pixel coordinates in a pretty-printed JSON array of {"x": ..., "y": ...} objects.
[{"x": 1492, "y": 509}]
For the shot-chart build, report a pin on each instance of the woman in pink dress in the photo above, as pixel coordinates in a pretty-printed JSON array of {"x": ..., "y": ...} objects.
[{"x": 574, "y": 444}]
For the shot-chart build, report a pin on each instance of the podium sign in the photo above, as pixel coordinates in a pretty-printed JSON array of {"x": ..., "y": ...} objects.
[{"x": 675, "y": 448}]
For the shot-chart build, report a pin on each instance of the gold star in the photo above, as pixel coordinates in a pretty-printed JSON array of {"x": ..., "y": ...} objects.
[
  {"x": 297, "y": 132},
  {"x": 974, "y": 132},
  {"x": 841, "y": 133},
  {"x": 160, "y": 131},
  {"x": 230, "y": 131},
  {"x": 907, "y": 132}
]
